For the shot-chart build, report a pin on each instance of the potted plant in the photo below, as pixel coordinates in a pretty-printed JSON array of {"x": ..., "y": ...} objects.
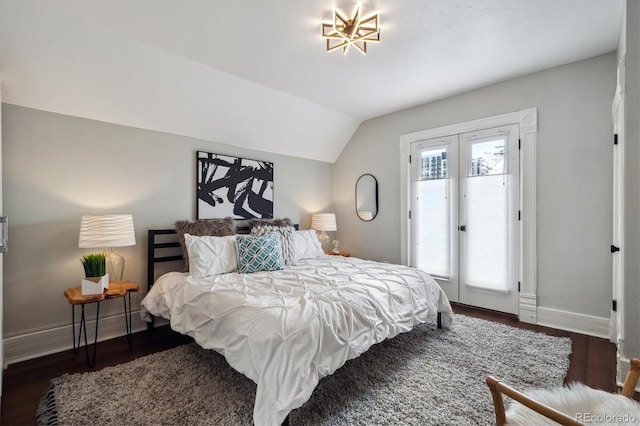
[{"x": 96, "y": 279}]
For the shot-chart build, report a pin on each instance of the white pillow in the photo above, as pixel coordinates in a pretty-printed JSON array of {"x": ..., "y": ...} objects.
[
  {"x": 306, "y": 245},
  {"x": 211, "y": 255}
]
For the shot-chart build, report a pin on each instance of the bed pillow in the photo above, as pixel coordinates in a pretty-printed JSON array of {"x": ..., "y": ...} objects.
[
  {"x": 200, "y": 228},
  {"x": 283, "y": 228},
  {"x": 259, "y": 253},
  {"x": 280, "y": 223},
  {"x": 211, "y": 255},
  {"x": 306, "y": 245}
]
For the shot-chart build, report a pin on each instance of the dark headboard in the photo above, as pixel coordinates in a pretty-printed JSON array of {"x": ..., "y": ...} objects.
[{"x": 163, "y": 246}]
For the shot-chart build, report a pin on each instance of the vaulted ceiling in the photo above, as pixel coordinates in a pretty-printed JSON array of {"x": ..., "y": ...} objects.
[{"x": 255, "y": 73}]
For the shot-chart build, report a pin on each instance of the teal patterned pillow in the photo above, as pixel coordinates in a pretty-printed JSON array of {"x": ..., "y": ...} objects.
[{"x": 259, "y": 253}]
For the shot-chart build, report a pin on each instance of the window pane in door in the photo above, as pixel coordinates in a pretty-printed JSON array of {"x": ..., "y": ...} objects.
[
  {"x": 433, "y": 164},
  {"x": 486, "y": 239},
  {"x": 432, "y": 245},
  {"x": 487, "y": 157}
]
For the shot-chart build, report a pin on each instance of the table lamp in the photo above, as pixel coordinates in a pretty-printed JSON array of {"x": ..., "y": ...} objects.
[
  {"x": 324, "y": 222},
  {"x": 106, "y": 232}
]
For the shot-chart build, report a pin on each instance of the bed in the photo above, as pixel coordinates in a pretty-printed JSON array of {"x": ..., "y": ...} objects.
[{"x": 286, "y": 329}]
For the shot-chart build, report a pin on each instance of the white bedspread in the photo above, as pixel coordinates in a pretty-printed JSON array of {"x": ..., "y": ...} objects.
[{"x": 287, "y": 329}]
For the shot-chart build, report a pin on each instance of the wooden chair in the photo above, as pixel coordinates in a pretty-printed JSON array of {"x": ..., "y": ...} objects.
[{"x": 498, "y": 388}]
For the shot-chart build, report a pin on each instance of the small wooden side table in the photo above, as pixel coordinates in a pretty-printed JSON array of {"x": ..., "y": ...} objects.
[
  {"x": 342, "y": 253},
  {"x": 116, "y": 289}
]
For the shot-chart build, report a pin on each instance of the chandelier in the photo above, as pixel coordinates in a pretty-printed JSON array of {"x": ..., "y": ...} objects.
[{"x": 344, "y": 33}]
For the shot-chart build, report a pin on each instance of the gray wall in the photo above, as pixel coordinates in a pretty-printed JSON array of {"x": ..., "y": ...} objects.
[
  {"x": 631, "y": 250},
  {"x": 57, "y": 168},
  {"x": 574, "y": 176}
]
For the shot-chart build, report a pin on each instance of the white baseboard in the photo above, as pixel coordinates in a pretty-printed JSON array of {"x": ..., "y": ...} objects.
[
  {"x": 571, "y": 321},
  {"x": 528, "y": 311},
  {"x": 45, "y": 342}
]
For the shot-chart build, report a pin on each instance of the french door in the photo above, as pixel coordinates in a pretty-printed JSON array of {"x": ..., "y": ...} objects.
[{"x": 464, "y": 225}]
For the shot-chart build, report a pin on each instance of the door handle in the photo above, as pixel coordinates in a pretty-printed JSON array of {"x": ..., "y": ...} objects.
[
  {"x": 463, "y": 228},
  {"x": 4, "y": 238}
]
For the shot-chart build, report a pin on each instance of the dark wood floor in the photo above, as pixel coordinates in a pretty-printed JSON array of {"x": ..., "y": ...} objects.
[{"x": 592, "y": 362}]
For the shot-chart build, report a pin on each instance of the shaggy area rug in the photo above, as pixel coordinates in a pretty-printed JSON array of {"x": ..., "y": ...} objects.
[{"x": 423, "y": 377}]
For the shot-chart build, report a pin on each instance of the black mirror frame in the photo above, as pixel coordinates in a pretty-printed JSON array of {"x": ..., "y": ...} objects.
[{"x": 375, "y": 197}]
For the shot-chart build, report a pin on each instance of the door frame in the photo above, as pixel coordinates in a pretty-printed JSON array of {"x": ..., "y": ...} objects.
[{"x": 527, "y": 119}]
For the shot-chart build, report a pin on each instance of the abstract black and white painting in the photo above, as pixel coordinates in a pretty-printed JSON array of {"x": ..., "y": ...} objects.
[{"x": 233, "y": 187}]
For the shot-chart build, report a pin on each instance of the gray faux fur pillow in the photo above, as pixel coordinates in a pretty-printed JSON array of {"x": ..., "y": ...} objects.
[
  {"x": 284, "y": 228},
  {"x": 203, "y": 227},
  {"x": 278, "y": 223}
]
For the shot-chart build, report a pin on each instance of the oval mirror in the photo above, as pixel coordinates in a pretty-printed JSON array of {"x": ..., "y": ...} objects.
[{"x": 367, "y": 197}]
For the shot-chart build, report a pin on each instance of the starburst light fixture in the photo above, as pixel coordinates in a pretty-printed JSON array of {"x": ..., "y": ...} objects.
[{"x": 344, "y": 33}]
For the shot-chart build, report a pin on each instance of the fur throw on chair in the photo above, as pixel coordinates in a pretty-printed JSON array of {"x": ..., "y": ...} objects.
[{"x": 584, "y": 404}]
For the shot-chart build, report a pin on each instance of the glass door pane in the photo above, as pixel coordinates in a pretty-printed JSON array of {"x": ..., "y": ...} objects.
[
  {"x": 434, "y": 174},
  {"x": 486, "y": 233},
  {"x": 487, "y": 157},
  {"x": 486, "y": 215},
  {"x": 433, "y": 235}
]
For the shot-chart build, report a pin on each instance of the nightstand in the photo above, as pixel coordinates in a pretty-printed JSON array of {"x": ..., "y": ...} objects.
[
  {"x": 342, "y": 253},
  {"x": 74, "y": 297}
]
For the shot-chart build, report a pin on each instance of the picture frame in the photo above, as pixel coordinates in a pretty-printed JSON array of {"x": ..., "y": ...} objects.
[{"x": 236, "y": 187}]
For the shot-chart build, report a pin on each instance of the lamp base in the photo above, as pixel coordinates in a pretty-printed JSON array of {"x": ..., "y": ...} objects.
[
  {"x": 115, "y": 265},
  {"x": 324, "y": 240}
]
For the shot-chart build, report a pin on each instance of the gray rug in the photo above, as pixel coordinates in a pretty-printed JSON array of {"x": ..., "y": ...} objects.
[{"x": 424, "y": 377}]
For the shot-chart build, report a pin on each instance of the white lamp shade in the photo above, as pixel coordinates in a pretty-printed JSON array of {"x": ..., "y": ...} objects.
[
  {"x": 324, "y": 222},
  {"x": 107, "y": 231}
]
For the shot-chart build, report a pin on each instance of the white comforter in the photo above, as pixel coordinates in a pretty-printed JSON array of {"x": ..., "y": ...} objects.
[{"x": 286, "y": 330}]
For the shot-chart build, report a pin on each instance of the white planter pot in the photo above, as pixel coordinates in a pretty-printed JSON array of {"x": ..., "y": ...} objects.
[{"x": 95, "y": 285}]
